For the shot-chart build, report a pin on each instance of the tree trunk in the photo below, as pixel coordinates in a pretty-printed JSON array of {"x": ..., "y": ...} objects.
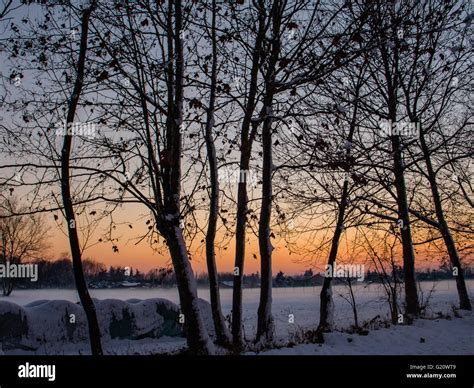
[
  {"x": 239, "y": 253},
  {"x": 326, "y": 308},
  {"x": 7, "y": 282},
  {"x": 353, "y": 304},
  {"x": 222, "y": 332},
  {"x": 85, "y": 298},
  {"x": 411, "y": 294},
  {"x": 394, "y": 305},
  {"x": 198, "y": 339},
  {"x": 464, "y": 302},
  {"x": 265, "y": 326},
  {"x": 7, "y": 286},
  {"x": 390, "y": 57},
  {"x": 246, "y": 140},
  {"x": 168, "y": 218}
]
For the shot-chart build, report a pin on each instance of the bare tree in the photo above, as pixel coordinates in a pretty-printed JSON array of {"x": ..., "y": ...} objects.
[
  {"x": 429, "y": 93},
  {"x": 383, "y": 254},
  {"x": 81, "y": 285},
  {"x": 222, "y": 332},
  {"x": 385, "y": 22},
  {"x": 343, "y": 203},
  {"x": 309, "y": 65},
  {"x": 413, "y": 48},
  {"x": 265, "y": 325},
  {"x": 22, "y": 237},
  {"x": 350, "y": 299},
  {"x": 150, "y": 106},
  {"x": 248, "y": 132}
]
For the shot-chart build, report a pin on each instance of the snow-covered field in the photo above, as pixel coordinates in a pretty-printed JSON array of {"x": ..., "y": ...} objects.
[
  {"x": 453, "y": 336},
  {"x": 297, "y": 309}
]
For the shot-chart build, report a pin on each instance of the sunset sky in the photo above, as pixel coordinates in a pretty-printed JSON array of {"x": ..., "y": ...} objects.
[{"x": 143, "y": 257}]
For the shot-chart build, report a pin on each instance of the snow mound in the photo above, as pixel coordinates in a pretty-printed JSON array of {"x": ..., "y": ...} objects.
[{"x": 59, "y": 321}]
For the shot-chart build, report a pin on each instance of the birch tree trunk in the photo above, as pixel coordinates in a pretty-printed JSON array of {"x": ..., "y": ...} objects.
[
  {"x": 222, "y": 332},
  {"x": 265, "y": 327},
  {"x": 168, "y": 218}
]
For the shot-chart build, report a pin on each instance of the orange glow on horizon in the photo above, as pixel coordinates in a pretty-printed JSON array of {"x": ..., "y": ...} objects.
[{"x": 143, "y": 257}]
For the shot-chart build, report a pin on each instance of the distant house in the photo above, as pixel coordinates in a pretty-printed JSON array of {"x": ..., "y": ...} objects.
[{"x": 128, "y": 284}]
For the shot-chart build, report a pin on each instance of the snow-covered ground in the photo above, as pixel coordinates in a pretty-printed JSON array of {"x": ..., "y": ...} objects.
[
  {"x": 453, "y": 336},
  {"x": 297, "y": 309},
  {"x": 164, "y": 345}
]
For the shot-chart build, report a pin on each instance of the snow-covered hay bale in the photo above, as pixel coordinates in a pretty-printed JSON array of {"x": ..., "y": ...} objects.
[
  {"x": 59, "y": 321},
  {"x": 115, "y": 318},
  {"x": 149, "y": 309},
  {"x": 13, "y": 325},
  {"x": 135, "y": 319},
  {"x": 55, "y": 321}
]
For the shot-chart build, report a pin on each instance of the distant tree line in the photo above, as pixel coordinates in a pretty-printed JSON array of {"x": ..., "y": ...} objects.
[{"x": 59, "y": 274}]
